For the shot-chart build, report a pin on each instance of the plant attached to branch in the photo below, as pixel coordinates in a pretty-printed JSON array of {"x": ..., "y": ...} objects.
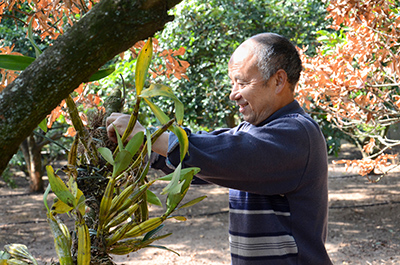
[{"x": 108, "y": 193}]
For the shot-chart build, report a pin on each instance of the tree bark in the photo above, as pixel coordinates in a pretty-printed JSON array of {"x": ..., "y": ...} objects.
[
  {"x": 111, "y": 27},
  {"x": 33, "y": 159}
]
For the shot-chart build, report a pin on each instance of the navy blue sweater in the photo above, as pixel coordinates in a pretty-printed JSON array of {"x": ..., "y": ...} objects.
[{"x": 277, "y": 175}]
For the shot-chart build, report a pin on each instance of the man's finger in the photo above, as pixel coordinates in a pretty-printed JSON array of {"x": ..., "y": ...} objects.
[{"x": 111, "y": 133}]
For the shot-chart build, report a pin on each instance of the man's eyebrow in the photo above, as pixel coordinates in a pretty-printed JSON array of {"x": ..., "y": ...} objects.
[{"x": 240, "y": 78}]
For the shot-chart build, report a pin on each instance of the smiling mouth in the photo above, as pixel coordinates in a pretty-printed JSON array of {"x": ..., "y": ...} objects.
[{"x": 242, "y": 106}]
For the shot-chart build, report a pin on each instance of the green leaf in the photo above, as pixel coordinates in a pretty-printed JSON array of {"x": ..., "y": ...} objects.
[
  {"x": 43, "y": 125},
  {"x": 106, "y": 154},
  {"x": 144, "y": 173},
  {"x": 59, "y": 188},
  {"x": 30, "y": 37},
  {"x": 161, "y": 116},
  {"x": 135, "y": 143},
  {"x": 193, "y": 202},
  {"x": 73, "y": 187},
  {"x": 142, "y": 65},
  {"x": 20, "y": 63},
  {"x": 121, "y": 162},
  {"x": 178, "y": 191},
  {"x": 15, "y": 62},
  {"x": 152, "y": 232},
  {"x": 45, "y": 195},
  {"x": 148, "y": 136},
  {"x": 4, "y": 256},
  {"x": 119, "y": 140},
  {"x": 176, "y": 176},
  {"x": 183, "y": 140},
  {"x": 162, "y": 90},
  {"x": 101, "y": 74},
  {"x": 152, "y": 198},
  {"x": 20, "y": 252},
  {"x": 183, "y": 172},
  {"x": 81, "y": 202},
  {"x": 163, "y": 248},
  {"x": 59, "y": 207},
  {"x": 179, "y": 218}
]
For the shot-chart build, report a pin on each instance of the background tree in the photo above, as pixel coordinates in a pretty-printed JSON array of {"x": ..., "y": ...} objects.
[
  {"x": 354, "y": 79},
  {"x": 211, "y": 30}
]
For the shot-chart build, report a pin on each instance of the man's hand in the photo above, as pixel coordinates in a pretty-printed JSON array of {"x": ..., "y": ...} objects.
[{"x": 119, "y": 122}]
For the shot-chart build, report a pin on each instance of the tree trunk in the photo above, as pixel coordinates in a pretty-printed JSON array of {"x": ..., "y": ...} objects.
[
  {"x": 111, "y": 27},
  {"x": 33, "y": 159}
]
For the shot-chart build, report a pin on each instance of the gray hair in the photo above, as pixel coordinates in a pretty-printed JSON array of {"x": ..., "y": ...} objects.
[{"x": 275, "y": 52}]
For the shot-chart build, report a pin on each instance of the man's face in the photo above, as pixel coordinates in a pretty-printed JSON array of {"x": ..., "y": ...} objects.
[{"x": 254, "y": 96}]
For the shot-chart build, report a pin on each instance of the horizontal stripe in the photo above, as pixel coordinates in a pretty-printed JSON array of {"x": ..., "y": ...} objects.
[
  {"x": 262, "y": 246},
  {"x": 274, "y": 234},
  {"x": 263, "y": 259},
  {"x": 238, "y": 211},
  {"x": 247, "y": 201}
]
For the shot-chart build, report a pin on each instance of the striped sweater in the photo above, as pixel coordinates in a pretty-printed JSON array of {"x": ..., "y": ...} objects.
[{"x": 277, "y": 175}]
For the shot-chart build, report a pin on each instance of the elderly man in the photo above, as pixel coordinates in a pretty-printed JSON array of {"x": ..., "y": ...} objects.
[{"x": 274, "y": 162}]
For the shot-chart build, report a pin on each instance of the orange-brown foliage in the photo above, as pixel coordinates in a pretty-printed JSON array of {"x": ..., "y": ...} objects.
[{"x": 354, "y": 83}]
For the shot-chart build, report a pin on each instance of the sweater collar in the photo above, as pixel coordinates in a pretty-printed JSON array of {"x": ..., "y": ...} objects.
[{"x": 293, "y": 107}]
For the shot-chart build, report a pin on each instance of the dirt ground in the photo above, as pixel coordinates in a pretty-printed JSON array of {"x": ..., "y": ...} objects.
[{"x": 363, "y": 223}]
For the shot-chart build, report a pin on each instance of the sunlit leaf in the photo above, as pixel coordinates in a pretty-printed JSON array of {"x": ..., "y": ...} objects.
[
  {"x": 148, "y": 136},
  {"x": 43, "y": 125},
  {"x": 183, "y": 172},
  {"x": 177, "y": 191},
  {"x": 176, "y": 176},
  {"x": 193, "y": 202},
  {"x": 59, "y": 188},
  {"x": 162, "y": 90},
  {"x": 179, "y": 218},
  {"x": 142, "y": 65},
  {"x": 73, "y": 187},
  {"x": 161, "y": 116},
  {"x": 183, "y": 140},
  {"x": 81, "y": 202},
  {"x": 178, "y": 131},
  {"x": 59, "y": 207},
  {"x": 152, "y": 198}
]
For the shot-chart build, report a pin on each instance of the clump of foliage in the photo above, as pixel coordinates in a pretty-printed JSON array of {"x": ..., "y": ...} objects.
[{"x": 354, "y": 78}]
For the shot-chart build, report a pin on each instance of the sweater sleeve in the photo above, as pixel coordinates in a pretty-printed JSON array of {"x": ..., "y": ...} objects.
[{"x": 270, "y": 159}]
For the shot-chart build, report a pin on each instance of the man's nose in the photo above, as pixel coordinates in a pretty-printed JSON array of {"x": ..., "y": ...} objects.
[{"x": 234, "y": 95}]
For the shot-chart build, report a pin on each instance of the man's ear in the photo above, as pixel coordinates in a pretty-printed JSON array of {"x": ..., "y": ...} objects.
[{"x": 281, "y": 81}]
